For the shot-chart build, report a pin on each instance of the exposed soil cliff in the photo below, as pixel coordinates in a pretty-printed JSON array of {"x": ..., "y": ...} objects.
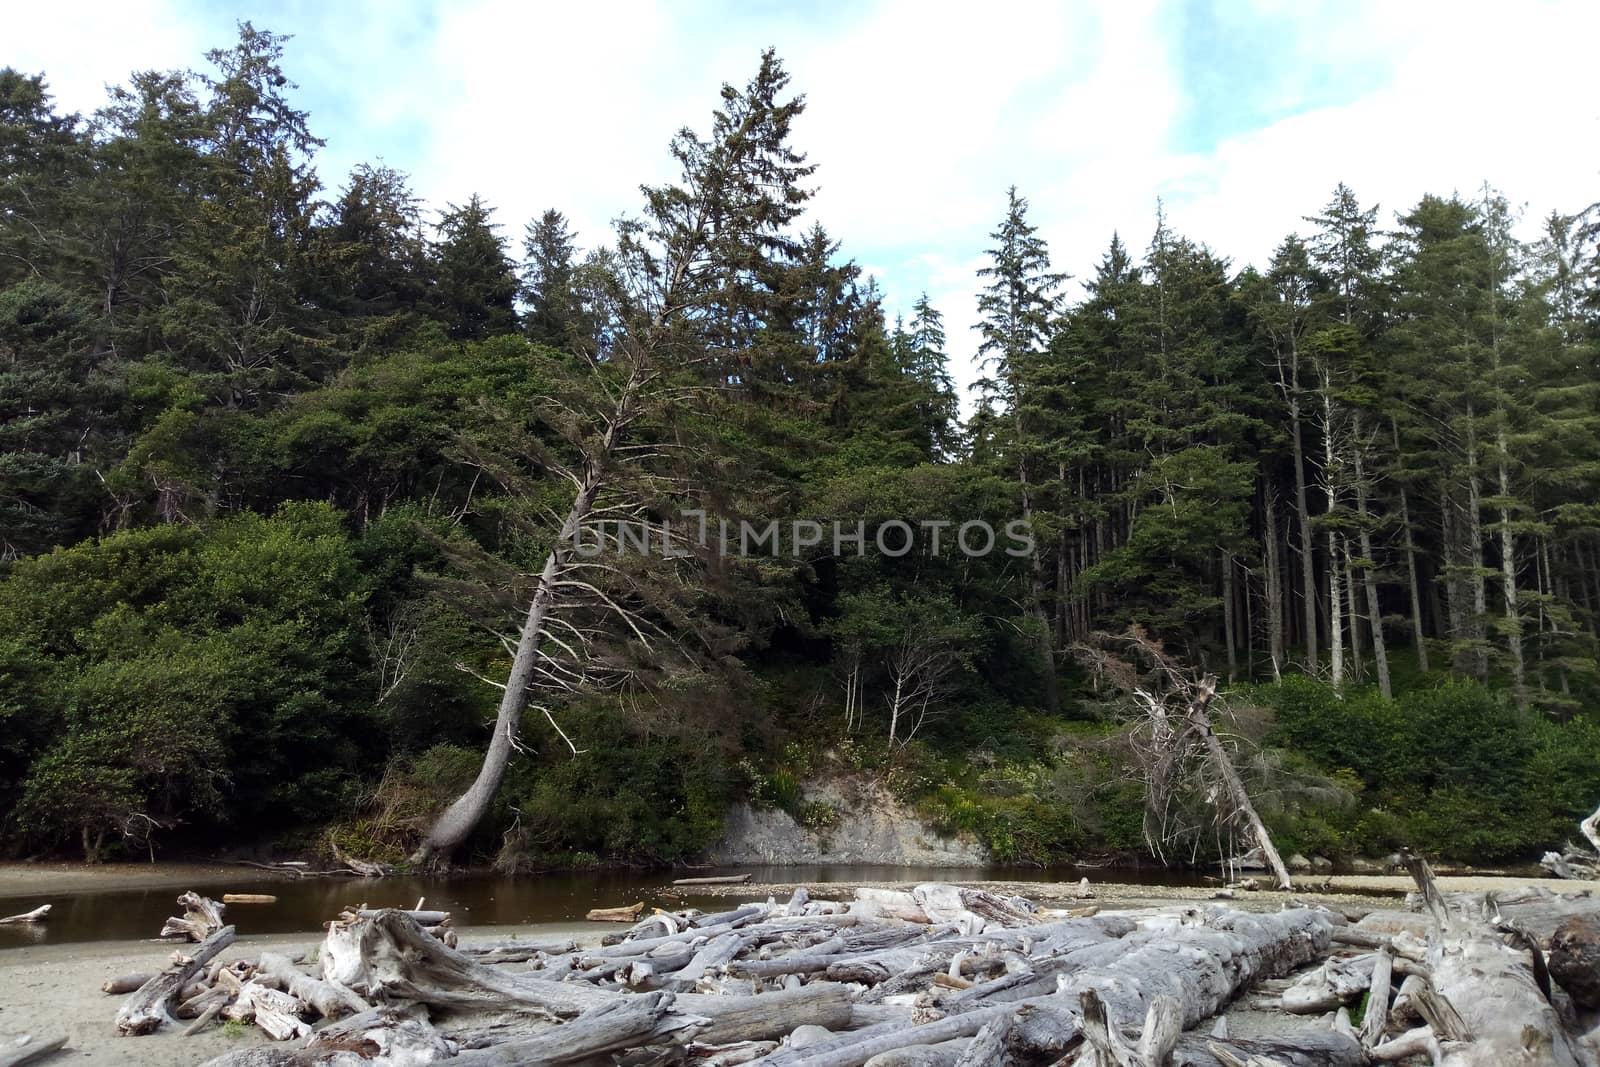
[{"x": 869, "y": 826}]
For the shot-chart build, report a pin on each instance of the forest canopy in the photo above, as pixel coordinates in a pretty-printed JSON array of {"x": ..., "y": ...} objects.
[{"x": 282, "y": 455}]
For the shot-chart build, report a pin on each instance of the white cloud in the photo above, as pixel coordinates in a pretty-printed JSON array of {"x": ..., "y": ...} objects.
[{"x": 84, "y": 47}]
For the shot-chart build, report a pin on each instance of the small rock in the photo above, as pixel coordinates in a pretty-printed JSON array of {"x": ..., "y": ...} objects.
[
  {"x": 1575, "y": 959},
  {"x": 808, "y": 1035}
]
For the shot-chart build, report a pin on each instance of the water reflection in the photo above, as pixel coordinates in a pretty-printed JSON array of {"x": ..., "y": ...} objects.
[{"x": 475, "y": 900}]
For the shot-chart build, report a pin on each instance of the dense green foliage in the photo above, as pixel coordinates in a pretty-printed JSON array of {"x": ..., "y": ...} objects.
[
  {"x": 279, "y": 461},
  {"x": 1456, "y": 770}
]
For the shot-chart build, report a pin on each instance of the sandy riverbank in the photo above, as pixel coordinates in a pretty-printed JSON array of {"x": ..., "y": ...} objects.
[{"x": 39, "y": 879}]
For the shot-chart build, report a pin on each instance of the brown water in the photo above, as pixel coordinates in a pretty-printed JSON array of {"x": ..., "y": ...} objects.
[{"x": 473, "y": 900}]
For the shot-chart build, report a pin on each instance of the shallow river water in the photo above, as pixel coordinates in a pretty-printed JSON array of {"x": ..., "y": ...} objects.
[{"x": 473, "y": 899}]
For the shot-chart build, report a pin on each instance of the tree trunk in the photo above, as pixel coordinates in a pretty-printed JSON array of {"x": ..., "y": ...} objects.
[
  {"x": 1358, "y": 665},
  {"x": 1418, "y": 637},
  {"x": 1380, "y": 651},
  {"x": 1335, "y": 613},
  {"x": 1229, "y": 626},
  {"x": 1508, "y": 570},
  {"x": 1474, "y": 540},
  {"x": 1273, "y": 586},
  {"x": 1235, "y": 787},
  {"x": 458, "y": 820},
  {"x": 1335, "y": 607},
  {"x": 1289, "y": 385},
  {"x": 1308, "y": 570}
]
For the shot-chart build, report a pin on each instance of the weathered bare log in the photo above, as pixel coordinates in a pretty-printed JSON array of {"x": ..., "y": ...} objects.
[
  {"x": 1415, "y": 1042},
  {"x": 626, "y": 913},
  {"x": 148, "y": 1007},
  {"x": 328, "y": 1000},
  {"x": 1377, "y": 1014},
  {"x": 718, "y": 879},
  {"x": 37, "y": 915},
  {"x": 728, "y": 1055},
  {"x": 1200, "y": 966},
  {"x": 1302, "y": 1048},
  {"x": 201, "y": 918},
  {"x": 423, "y": 918},
  {"x": 17, "y": 1055},
  {"x": 644, "y": 1019},
  {"x": 124, "y": 983},
  {"x": 1590, "y": 828},
  {"x": 391, "y": 1035},
  {"x": 1106, "y": 1046},
  {"x": 203, "y": 1020},
  {"x": 947, "y": 1054},
  {"x": 274, "y": 1011},
  {"x": 770, "y": 1015},
  {"x": 989, "y": 1046},
  {"x": 249, "y": 898},
  {"x": 1492, "y": 988},
  {"x": 389, "y": 956},
  {"x": 1339, "y": 980},
  {"x": 364, "y": 868}
]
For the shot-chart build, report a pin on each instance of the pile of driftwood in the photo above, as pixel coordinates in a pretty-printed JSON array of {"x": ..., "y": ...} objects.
[{"x": 937, "y": 975}]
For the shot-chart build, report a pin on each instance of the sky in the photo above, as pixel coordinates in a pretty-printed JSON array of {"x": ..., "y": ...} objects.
[{"x": 1239, "y": 116}]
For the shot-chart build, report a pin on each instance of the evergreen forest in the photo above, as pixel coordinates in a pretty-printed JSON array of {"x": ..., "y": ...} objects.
[{"x": 285, "y": 457}]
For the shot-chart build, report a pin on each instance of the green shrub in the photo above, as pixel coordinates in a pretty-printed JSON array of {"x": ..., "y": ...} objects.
[
  {"x": 652, "y": 799},
  {"x": 1454, "y": 770}
]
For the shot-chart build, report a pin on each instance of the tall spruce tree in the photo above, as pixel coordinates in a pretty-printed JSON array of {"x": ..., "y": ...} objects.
[
  {"x": 548, "y": 249},
  {"x": 1017, "y": 309},
  {"x": 475, "y": 288}
]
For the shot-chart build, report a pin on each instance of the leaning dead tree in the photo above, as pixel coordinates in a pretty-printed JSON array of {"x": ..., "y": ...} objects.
[
  {"x": 679, "y": 290},
  {"x": 572, "y": 604},
  {"x": 1179, "y": 755}
]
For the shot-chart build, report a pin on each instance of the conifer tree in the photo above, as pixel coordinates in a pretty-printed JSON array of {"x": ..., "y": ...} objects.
[
  {"x": 475, "y": 289},
  {"x": 1018, "y": 307},
  {"x": 548, "y": 249}
]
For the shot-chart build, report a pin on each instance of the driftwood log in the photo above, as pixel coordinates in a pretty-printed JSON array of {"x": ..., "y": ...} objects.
[
  {"x": 37, "y": 915},
  {"x": 150, "y": 1005},
  {"x": 1490, "y": 1011},
  {"x": 201, "y": 918},
  {"x": 17, "y": 1055},
  {"x": 931, "y": 976}
]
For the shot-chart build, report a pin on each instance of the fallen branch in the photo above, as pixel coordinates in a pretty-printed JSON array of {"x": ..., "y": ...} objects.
[{"x": 37, "y": 915}]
